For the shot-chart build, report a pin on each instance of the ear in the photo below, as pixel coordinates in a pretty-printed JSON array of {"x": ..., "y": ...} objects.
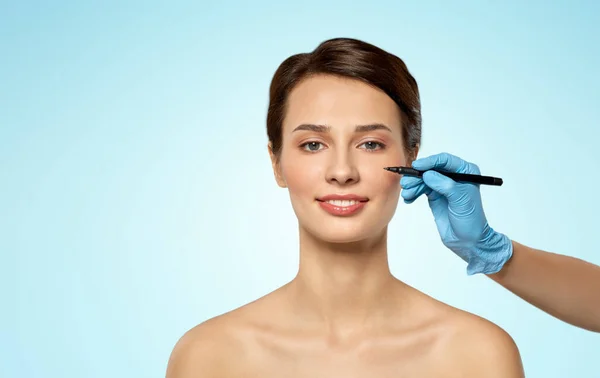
[
  {"x": 413, "y": 156},
  {"x": 275, "y": 163}
]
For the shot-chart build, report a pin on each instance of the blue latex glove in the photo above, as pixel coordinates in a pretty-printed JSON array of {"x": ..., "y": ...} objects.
[{"x": 458, "y": 213}]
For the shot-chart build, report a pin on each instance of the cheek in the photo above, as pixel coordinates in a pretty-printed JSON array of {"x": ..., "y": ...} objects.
[
  {"x": 300, "y": 176},
  {"x": 384, "y": 182}
]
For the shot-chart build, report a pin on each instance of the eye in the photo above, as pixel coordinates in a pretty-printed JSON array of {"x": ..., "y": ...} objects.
[
  {"x": 311, "y": 146},
  {"x": 373, "y": 146}
]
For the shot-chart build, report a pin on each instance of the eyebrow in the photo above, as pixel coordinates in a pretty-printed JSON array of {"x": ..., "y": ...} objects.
[{"x": 358, "y": 129}]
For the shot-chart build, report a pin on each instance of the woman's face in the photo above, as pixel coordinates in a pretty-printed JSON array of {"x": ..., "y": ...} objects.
[{"x": 338, "y": 135}]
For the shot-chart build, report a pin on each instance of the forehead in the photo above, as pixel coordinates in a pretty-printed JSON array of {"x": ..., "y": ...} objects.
[{"x": 339, "y": 101}]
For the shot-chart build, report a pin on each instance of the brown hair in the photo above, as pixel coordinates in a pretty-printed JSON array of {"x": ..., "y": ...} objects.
[{"x": 350, "y": 58}]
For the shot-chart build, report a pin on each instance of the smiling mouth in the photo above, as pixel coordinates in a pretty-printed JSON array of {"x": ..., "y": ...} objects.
[
  {"x": 349, "y": 197},
  {"x": 339, "y": 206},
  {"x": 342, "y": 203}
]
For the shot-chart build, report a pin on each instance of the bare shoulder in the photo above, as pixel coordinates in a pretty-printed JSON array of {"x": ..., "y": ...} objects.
[
  {"x": 201, "y": 350},
  {"x": 480, "y": 348},
  {"x": 217, "y": 346},
  {"x": 467, "y": 345}
]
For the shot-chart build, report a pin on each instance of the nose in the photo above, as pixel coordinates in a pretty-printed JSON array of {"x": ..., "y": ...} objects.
[{"x": 342, "y": 170}]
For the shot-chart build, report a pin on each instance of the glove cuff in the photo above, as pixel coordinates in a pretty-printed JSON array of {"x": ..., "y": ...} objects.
[{"x": 490, "y": 254}]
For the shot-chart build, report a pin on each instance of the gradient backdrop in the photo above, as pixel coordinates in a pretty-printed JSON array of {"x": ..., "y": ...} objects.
[{"x": 121, "y": 226}]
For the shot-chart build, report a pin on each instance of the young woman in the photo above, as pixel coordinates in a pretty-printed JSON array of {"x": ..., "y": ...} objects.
[{"x": 336, "y": 117}]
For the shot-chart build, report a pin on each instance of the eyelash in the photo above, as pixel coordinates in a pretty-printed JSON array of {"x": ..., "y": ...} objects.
[{"x": 381, "y": 146}]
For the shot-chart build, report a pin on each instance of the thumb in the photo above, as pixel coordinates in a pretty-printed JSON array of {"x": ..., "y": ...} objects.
[{"x": 439, "y": 183}]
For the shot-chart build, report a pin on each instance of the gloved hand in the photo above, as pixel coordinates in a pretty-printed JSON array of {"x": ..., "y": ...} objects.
[{"x": 458, "y": 213}]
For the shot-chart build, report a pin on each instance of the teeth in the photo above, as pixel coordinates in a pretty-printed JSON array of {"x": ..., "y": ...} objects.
[{"x": 343, "y": 203}]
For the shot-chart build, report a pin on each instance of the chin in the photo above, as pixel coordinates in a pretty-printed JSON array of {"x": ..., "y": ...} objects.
[
  {"x": 368, "y": 224},
  {"x": 341, "y": 232}
]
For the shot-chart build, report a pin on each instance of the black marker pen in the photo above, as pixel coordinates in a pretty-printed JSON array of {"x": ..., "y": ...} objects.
[{"x": 464, "y": 177}]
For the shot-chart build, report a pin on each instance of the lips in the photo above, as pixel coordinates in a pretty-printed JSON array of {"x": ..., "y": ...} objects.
[
  {"x": 342, "y": 204},
  {"x": 343, "y": 197}
]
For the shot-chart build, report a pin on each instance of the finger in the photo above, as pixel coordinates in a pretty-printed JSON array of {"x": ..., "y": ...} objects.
[
  {"x": 408, "y": 202},
  {"x": 439, "y": 206},
  {"x": 411, "y": 195},
  {"x": 440, "y": 183},
  {"x": 445, "y": 162},
  {"x": 408, "y": 182}
]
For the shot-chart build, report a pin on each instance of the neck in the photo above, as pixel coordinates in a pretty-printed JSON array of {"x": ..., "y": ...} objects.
[{"x": 343, "y": 287}]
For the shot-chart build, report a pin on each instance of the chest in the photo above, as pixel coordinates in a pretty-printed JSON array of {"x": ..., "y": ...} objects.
[
  {"x": 419, "y": 360},
  {"x": 346, "y": 369}
]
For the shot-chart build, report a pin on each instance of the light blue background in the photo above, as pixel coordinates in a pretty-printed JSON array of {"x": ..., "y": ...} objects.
[{"x": 120, "y": 227}]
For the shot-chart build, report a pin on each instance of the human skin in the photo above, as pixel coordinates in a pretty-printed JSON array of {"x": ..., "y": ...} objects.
[
  {"x": 344, "y": 314},
  {"x": 565, "y": 287}
]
